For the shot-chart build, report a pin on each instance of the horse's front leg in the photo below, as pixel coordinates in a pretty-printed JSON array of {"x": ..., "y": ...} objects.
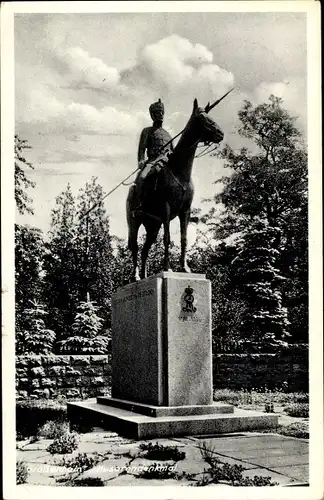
[
  {"x": 184, "y": 221},
  {"x": 151, "y": 236},
  {"x": 133, "y": 247}
]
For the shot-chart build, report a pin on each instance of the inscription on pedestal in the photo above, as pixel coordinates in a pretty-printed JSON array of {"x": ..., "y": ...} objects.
[
  {"x": 137, "y": 343},
  {"x": 161, "y": 341}
]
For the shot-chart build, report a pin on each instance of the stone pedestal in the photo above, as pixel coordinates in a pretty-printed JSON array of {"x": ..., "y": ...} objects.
[
  {"x": 161, "y": 345},
  {"x": 162, "y": 364}
]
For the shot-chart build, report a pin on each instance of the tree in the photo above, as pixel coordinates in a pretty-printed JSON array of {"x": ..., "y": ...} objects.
[
  {"x": 228, "y": 306},
  {"x": 94, "y": 248},
  {"x": 29, "y": 251},
  {"x": 79, "y": 257},
  {"x": 34, "y": 337},
  {"x": 86, "y": 330},
  {"x": 265, "y": 319},
  {"x": 269, "y": 183},
  {"x": 122, "y": 264},
  {"x": 21, "y": 180},
  {"x": 60, "y": 264}
]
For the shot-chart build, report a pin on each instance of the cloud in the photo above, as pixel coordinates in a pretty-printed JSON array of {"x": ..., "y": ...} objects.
[
  {"x": 81, "y": 68},
  {"x": 174, "y": 63},
  {"x": 43, "y": 107}
]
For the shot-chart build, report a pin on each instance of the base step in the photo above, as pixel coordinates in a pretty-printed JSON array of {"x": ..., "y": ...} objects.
[
  {"x": 139, "y": 426},
  {"x": 165, "y": 411}
]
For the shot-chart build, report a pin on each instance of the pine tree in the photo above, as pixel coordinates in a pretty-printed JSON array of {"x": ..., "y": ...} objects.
[
  {"x": 60, "y": 264},
  {"x": 265, "y": 319},
  {"x": 34, "y": 337},
  {"x": 86, "y": 330},
  {"x": 95, "y": 258}
]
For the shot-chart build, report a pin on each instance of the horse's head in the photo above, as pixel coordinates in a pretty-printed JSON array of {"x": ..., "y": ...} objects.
[{"x": 209, "y": 131}]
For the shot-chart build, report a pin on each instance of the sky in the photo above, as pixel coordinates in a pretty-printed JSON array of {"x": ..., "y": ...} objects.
[{"x": 84, "y": 82}]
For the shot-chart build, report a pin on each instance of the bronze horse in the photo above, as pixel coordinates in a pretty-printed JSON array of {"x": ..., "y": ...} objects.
[{"x": 170, "y": 194}]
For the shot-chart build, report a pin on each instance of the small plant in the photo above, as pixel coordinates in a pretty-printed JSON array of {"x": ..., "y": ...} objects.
[
  {"x": 204, "y": 480},
  {"x": 81, "y": 462},
  {"x": 207, "y": 452},
  {"x": 53, "y": 429},
  {"x": 232, "y": 474},
  {"x": 158, "y": 471},
  {"x": 297, "y": 410},
  {"x": 87, "y": 481},
  {"x": 258, "y": 481},
  {"x": 21, "y": 472},
  {"x": 160, "y": 452},
  {"x": 66, "y": 443}
]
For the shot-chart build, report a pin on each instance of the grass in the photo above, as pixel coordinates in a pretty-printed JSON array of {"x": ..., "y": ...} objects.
[
  {"x": 259, "y": 397},
  {"x": 296, "y": 429}
]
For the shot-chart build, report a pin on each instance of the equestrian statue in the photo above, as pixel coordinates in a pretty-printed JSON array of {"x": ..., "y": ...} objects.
[{"x": 163, "y": 189}]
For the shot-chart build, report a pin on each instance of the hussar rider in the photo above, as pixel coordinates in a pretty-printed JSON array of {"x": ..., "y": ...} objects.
[{"x": 155, "y": 146}]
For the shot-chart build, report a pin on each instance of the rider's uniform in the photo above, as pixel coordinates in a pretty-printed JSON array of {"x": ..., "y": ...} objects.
[
  {"x": 152, "y": 141},
  {"x": 156, "y": 143}
]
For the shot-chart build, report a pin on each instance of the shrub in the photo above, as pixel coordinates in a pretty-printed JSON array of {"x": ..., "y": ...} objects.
[
  {"x": 53, "y": 429},
  {"x": 21, "y": 472},
  {"x": 87, "y": 481},
  {"x": 227, "y": 396},
  {"x": 297, "y": 429},
  {"x": 157, "y": 471},
  {"x": 81, "y": 462},
  {"x": 66, "y": 443},
  {"x": 297, "y": 410},
  {"x": 32, "y": 414},
  {"x": 160, "y": 452}
]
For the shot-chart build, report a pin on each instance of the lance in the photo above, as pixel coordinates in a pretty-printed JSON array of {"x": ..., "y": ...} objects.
[{"x": 207, "y": 109}]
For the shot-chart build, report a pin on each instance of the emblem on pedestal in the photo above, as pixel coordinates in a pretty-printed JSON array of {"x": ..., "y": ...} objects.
[{"x": 189, "y": 300}]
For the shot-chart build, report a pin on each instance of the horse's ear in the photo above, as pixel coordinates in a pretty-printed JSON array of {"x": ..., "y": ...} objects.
[{"x": 195, "y": 106}]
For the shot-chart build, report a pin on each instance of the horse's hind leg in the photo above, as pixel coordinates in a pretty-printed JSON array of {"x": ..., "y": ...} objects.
[
  {"x": 133, "y": 247},
  {"x": 151, "y": 236}
]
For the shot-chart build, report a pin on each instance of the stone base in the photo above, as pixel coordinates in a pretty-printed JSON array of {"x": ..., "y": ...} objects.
[
  {"x": 165, "y": 411},
  {"x": 139, "y": 426}
]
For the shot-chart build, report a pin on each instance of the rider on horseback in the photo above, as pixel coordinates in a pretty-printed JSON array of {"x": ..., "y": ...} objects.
[{"x": 152, "y": 142}]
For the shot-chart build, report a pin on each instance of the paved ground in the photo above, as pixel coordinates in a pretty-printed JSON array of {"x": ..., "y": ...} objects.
[{"x": 285, "y": 459}]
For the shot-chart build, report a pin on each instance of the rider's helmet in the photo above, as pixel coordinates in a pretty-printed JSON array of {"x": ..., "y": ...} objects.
[{"x": 157, "y": 110}]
